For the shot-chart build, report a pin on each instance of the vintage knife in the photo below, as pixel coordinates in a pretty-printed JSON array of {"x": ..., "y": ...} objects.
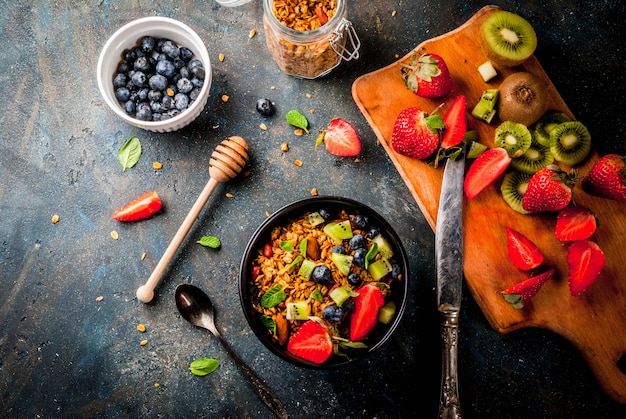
[{"x": 449, "y": 262}]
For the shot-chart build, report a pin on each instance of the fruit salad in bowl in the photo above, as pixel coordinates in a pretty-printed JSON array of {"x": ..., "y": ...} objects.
[{"x": 324, "y": 281}]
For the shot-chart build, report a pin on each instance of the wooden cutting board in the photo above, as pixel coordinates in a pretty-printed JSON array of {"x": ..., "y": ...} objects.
[{"x": 594, "y": 322}]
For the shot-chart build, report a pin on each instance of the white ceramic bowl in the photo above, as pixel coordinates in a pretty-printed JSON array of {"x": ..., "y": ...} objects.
[
  {"x": 232, "y": 3},
  {"x": 127, "y": 37}
]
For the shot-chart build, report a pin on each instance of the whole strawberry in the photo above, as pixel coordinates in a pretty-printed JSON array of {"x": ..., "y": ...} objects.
[
  {"x": 607, "y": 178},
  {"x": 427, "y": 76},
  {"x": 549, "y": 189},
  {"x": 416, "y": 134}
]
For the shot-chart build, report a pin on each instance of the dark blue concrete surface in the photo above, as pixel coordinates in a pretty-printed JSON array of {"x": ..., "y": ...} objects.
[{"x": 64, "y": 354}]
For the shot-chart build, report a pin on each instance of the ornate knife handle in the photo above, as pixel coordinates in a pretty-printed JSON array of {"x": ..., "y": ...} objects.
[{"x": 449, "y": 406}]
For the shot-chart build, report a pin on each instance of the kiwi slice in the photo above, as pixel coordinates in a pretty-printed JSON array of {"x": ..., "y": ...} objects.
[
  {"x": 570, "y": 142},
  {"x": 533, "y": 159},
  {"x": 379, "y": 268},
  {"x": 384, "y": 248},
  {"x": 338, "y": 231},
  {"x": 306, "y": 269},
  {"x": 547, "y": 123},
  {"x": 297, "y": 310},
  {"x": 508, "y": 38},
  {"x": 342, "y": 262},
  {"x": 514, "y": 137},
  {"x": 513, "y": 188}
]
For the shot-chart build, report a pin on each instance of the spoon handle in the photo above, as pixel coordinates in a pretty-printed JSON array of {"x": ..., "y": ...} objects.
[{"x": 264, "y": 392}]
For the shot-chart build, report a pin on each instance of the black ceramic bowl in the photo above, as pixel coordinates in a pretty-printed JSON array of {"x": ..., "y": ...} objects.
[{"x": 248, "y": 292}]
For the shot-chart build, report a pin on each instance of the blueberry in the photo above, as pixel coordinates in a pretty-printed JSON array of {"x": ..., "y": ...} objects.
[
  {"x": 339, "y": 249},
  {"x": 195, "y": 93},
  {"x": 321, "y": 274},
  {"x": 395, "y": 271},
  {"x": 182, "y": 101},
  {"x": 128, "y": 55},
  {"x": 184, "y": 85},
  {"x": 165, "y": 68},
  {"x": 142, "y": 64},
  {"x": 196, "y": 68},
  {"x": 373, "y": 232},
  {"x": 184, "y": 72},
  {"x": 359, "y": 257},
  {"x": 186, "y": 54},
  {"x": 156, "y": 107},
  {"x": 360, "y": 221},
  {"x": 120, "y": 80},
  {"x": 129, "y": 107},
  {"x": 354, "y": 279},
  {"x": 139, "y": 78},
  {"x": 197, "y": 82},
  {"x": 170, "y": 49},
  {"x": 357, "y": 241},
  {"x": 159, "y": 45},
  {"x": 172, "y": 113},
  {"x": 123, "y": 67},
  {"x": 144, "y": 112},
  {"x": 138, "y": 52},
  {"x": 332, "y": 313},
  {"x": 265, "y": 107},
  {"x": 347, "y": 306},
  {"x": 158, "y": 82},
  {"x": 122, "y": 94},
  {"x": 147, "y": 43},
  {"x": 142, "y": 94},
  {"x": 167, "y": 102},
  {"x": 178, "y": 64},
  {"x": 155, "y": 94},
  {"x": 326, "y": 215}
]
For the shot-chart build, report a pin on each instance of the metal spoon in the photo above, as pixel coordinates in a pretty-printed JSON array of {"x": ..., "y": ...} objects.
[{"x": 196, "y": 307}]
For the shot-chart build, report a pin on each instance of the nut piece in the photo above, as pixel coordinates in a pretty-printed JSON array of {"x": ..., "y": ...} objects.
[
  {"x": 282, "y": 329},
  {"x": 284, "y": 146},
  {"x": 55, "y": 219},
  {"x": 141, "y": 327},
  {"x": 312, "y": 248}
]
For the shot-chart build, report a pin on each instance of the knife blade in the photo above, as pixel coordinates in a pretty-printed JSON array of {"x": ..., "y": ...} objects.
[{"x": 449, "y": 264}]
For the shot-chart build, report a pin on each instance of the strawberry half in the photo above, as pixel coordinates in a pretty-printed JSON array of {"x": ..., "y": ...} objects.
[
  {"x": 364, "y": 315},
  {"x": 549, "y": 189},
  {"x": 524, "y": 254},
  {"x": 524, "y": 291},
  {"x": 416, "y": 134},
  {"x": 575, "y": 223},
  {"x": 487, "y": 167},
  {"x": 455, "y": 123},
  {"x": 585, "y": 261},
  {"x": 427, "y": 76},
  {"x": 312, "y": 342},
  {"x": 341, "y": 139},
  {"x": 607, "y": 178}
]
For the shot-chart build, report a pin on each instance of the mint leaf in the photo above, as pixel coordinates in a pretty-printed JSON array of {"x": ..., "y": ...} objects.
[
  {"x": 298, "y": 120},
  {"x": 210, "y": 241},
  {"x": 129, "y": 154},
  {"x": 371, "y": 254},
  {"x": 273, "y": 297},
  {"x": 269, "y": 323},
  {"x": 287, "y": 245},
  {"x": 320, "y": 139},
  {"x": 317, "y": 295},
  {"x": 203, "y": 366}
]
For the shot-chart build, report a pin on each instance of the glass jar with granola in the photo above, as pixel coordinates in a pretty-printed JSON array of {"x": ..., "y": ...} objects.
[{"x": 308, "y": 38}]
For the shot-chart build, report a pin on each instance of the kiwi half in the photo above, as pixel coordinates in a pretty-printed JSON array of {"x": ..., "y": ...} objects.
[
  {"x": 547, "y": 123},
  {"x": 570, "y": 142},
  {"x": 513, "y": 188},
  {"x": 514, "y": 137},
  {"x": 533, "y": 159},
  {"x": 509, "y": 39},
  {"x": 523, "y": 98}
]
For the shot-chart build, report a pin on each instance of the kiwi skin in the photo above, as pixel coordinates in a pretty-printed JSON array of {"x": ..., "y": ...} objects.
[
  {"x": 500, "y": 50},
  {"x": 523, "y": 98}
]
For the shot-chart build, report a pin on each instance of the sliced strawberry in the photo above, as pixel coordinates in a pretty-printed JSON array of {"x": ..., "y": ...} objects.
[
  {"x": 549, "y": 190},
  {"x": 524, "y": 254},
  {"x": 524, "y": 291},
  {"x": 455, "y": 123},
  {"x": 312, "y": 342},
  {"x": 364, "y": 316},
  {"x": 341, "y": 139},
  {"x": 575, "y": 223},
  {"x": 585, "y": 261},
  {"x": 140, "y": 208},
  {"x": 487, "y": 167}
]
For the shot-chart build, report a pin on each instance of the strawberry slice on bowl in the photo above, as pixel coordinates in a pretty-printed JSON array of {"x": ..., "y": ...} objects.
[
  {"x": 524, "y": 254},
  {"x": 575, "y": 223},
  {"x": 416, "y": 134},
  {"x": 341, "y": 139},
  {"x": 585, "y": 261},
  {"x": 312, "y": 342},
  {"x": 524, "y": 291},
  {"x": 427, "y": 76},
  {"x": 487, "y": 167},
  {"x": 364, "y": 316}
]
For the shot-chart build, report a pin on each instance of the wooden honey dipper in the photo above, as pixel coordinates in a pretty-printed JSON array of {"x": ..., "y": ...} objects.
[{"x": 227, "y": 161}]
